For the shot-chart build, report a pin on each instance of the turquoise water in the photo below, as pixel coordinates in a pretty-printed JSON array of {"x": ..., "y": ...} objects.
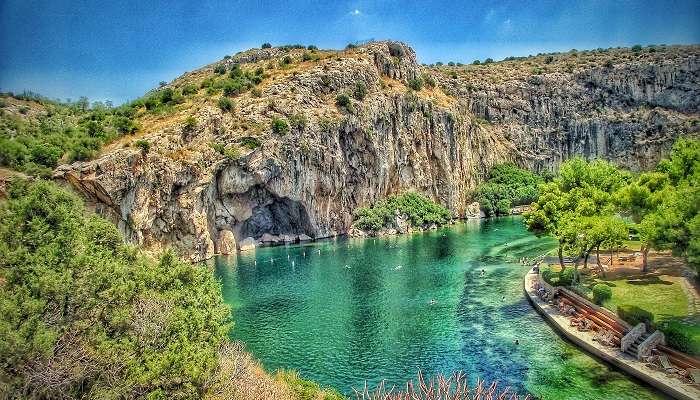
[{"x": 360, "y": 310}]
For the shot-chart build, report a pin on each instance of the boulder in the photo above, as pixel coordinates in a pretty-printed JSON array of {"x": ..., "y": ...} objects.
[
  {"x": 226, "y": 243},
  {"x": 474, "y": 211},
  {"x": 305, "y": 238},
  {"x": 270, "y": 239},
  {"x": 289, "y": 238},
  {"x": 247, "y": 244}
]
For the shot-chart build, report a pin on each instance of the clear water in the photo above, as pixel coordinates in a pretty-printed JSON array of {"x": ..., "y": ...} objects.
[{"x": 350, "y": 313}]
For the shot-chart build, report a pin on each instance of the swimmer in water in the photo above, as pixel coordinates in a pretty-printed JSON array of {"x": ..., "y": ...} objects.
[
  {"x": 483, "y": 272},
  {"x": 503, "y": 298},
  {"x": 432, "y": 301},
  {"x": 516, "y": 341}
]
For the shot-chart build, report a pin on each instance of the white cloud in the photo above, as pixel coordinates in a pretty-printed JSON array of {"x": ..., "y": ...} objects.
[{"x": 355, "y": 12}]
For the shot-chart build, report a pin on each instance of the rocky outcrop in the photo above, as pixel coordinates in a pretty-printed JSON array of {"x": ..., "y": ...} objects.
[{"x": 438, "y": 141}]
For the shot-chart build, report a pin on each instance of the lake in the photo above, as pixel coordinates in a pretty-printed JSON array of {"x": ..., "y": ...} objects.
[{"x": 346, "y": 311}]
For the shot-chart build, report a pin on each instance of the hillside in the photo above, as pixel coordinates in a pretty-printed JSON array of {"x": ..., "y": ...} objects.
[{"x": 289, "y": 141}]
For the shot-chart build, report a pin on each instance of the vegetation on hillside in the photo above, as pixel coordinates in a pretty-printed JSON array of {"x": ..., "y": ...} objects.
[
  {"x": 507, "y": 186},
  {"x": 36, "y": 133},
  {"x": 419, "y": 210}
]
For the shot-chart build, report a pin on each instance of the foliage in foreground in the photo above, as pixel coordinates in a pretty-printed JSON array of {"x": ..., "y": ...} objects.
[
  {"x": 82, "y": 315},
  {"x": 419, "y": 209},
  {"x": 455, "y": 387},
  {"x": 506, "y": 187}
]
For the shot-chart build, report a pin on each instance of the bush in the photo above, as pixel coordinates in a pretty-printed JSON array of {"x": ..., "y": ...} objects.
[
  {"x": 189, "y": 89},
  {"x": 360, "y": 91},
  {"x": 343, "y": 100},
  {"x": 298, "y": 121},
  {"x": 550, "y": 276},
  {"x": 311, "y": 47},
  {"x": 190, "y": 123},
  {"x": 634, "y": 315},
  {"x": 476, "y": 62},
  {"x": 429, "y": 80},
  {"x": 251, "y": 143},
  {"x": 266, "y": 45},
  {"x": 601, "y": 293},
  {"x": 144, "y": 145},
  {"x": 548, "y": 59},
  {"x": 395, "y": 50},
  {"x": 286, "y": 60},
  {"x": 415, "y": 84},
  {"x": 677, "y": 337},
  {"x": 280, "y": 126},
  {"x": 636, "y": 48},
  {"x": 566, "y": 277},
  {"x": 225, "y": 104},
  {"x": 220, "y": 69},
  {"x": 488, "y": 61}
]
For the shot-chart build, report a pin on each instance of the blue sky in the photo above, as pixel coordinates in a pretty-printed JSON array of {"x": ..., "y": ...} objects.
[{"x": 117, "y": 50}]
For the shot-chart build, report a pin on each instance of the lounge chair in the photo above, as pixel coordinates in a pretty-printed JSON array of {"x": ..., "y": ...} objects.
[
  {"x": 663, "y": 359},
  {"x": 694, "y": 374}
]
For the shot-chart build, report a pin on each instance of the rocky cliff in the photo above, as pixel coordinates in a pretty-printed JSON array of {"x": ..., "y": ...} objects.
[{"x": 288, "y": 160}]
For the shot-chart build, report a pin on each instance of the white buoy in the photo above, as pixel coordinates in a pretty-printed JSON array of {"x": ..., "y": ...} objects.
[
  {"x": 292, "y": 263},
  {"x": 287, "y": 256},
  {"x": 319, "y": 251}
]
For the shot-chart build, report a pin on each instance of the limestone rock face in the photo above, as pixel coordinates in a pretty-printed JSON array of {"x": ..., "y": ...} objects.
[
  {"x": 226, "y": 243},
  {"x": 440, "y": 142},
  {"x": 474, "y": 211}
]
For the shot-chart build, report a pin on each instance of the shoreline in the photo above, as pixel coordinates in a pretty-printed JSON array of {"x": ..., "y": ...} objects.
[{"x": 612, "y": 356}]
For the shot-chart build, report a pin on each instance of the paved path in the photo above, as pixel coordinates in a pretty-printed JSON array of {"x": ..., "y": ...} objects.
[
  {"x": 611, "y": 355},
  {"x": 693, "y": 301}
]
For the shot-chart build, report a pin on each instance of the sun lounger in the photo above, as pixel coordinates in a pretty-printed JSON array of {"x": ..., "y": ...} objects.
[
  {"x": 663, "y": 359},
  {"x": 694, "y": 374}
]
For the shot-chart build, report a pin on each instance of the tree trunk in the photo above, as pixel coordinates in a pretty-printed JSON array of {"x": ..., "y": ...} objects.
[
  {"x": 645, "y": 253},
  {"x": 597, "y": 256},
  {"x": 611, "y": 257},
  {"x": 561, "y": 257}
]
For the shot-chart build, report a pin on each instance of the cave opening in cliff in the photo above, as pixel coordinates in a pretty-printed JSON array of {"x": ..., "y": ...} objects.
[{"x": 278, "y": 216}]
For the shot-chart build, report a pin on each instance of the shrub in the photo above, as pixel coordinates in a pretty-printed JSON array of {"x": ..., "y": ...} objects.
[
  {"x": 566, "y": 277},
  {"x": 298, "y": 121},
  {"x": 550, "y": 276},
  {"x": 266, "y": 45},
  {"x": 225, "y": 104},
  {"x": 476, "y": 62},
  {"x": 280, "y": 126},
  {"x": 251, "y": 143},
  {"x": 506, "y": 182},
  {"x": 255, "y": 92},
  {"x": 634, "y": 315},
  {"x": 220, "y": 69},
  {"x": 395, "y": 50},
  {"x": 601, "y": 293},
  {"x": 190, "y": 123},
  {"x": 636, "y": 48},
  {"x": 311, "y": 47},
  {"x": 286, "y": 60},
  {"x": 189, "y": 89},
  {"x": 608, "y": 64},
  {"x": 488, "y": 60},
  {"x": 236, "y": 71},
  {"x": 415, "y": 84},
  {"x": 144, "y": 145},
  {"x": 360, "y": 91},
  {"x": 428, "y": 80},
  {"x": 350, "y": 46},
  {"x": 548, "y": 59},
  {"x": 343, "y": 100},
  {"x": 677, "y": 337}
]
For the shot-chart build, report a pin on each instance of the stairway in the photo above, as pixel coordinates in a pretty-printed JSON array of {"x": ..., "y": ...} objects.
[{"x": 634, "y": 347}]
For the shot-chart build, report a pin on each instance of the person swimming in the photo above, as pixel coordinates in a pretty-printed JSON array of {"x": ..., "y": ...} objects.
[
  {"x": 432, "y": 301},
  {"x": 483, "y": 272},
  {"x": 516, "y": 341}
]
